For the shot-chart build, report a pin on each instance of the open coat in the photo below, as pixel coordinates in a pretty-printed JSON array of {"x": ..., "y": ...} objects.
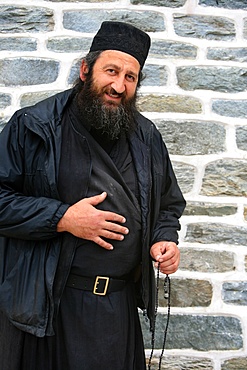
[{"x": 33, "y": 266}]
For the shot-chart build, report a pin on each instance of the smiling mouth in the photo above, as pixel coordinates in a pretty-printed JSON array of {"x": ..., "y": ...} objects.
[
  {"x": 113, "y": 94},
  {"x": 112, "y": 99}
]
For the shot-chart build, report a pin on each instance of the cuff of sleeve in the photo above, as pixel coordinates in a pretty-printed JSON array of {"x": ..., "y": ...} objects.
[
  {"x": 59, "y": 214},
  {"x": 169, "y": 237}
]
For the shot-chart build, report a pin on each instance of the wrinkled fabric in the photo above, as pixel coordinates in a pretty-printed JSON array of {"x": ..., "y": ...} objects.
[
  {"x": 85, "y": 342},
  {"x": 89, "y": 324},
  {"x": 105, "y": 176},
  {"x": 30, "y": 207}
]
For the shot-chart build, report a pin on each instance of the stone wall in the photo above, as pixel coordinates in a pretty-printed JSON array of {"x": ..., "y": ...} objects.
[{"x": 195, "y": 91}]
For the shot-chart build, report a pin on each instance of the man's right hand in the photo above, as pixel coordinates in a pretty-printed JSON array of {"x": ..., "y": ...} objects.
[{"x": 85, "y": 221}]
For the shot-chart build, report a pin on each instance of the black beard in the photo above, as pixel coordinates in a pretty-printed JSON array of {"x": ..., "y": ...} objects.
[{"x": 112, "y": 120}]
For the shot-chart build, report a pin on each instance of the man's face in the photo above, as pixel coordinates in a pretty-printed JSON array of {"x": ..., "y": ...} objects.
[
  {"x": 114, "y": 78},
  {"x": 107, "y": 100}
]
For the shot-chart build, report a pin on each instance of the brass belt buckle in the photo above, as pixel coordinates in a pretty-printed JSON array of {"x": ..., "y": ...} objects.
[{"x": 97, "y": 280}]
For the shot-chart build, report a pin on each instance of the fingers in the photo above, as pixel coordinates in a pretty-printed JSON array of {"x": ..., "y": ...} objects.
[
  {"x": 167, "y": 256},
  {"x": 96, "y": 199},
  {"x": 102, "y": 243},
  {"x": 115, "y": 217},
  {"x": 85, "y": 221},
  {"x": 113, "y": 231},
  {"x": 106, "y": 234},
  {"x": 157, "y": 250},
  {"x": 109, "y": 216},
  {"x": 114, "y": 226},
  {"x": 170, "y": 266}
]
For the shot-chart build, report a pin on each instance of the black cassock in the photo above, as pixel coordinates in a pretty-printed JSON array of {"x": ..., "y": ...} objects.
[{"x": 93, "y": 332}]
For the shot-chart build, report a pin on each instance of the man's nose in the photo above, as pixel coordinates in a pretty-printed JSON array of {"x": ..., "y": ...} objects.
[{"x": 118, "y": 85}]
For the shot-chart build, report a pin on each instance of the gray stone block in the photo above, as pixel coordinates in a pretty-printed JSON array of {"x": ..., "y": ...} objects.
[
  {"x": 225, "y": 177},
  {"x": 18, "y": 44},
  {"x": 154, "y": 75},
  {"x": 209, "y": 209},
  {"x": 241, "y": 137},
  {"x": 197, "y": 332},
  {"x": 232, "y": 4},
  {"x": 208, "y": 261},
  {"x": 204, "y": 27},
  {"x": 235, "y": 293},
  {"x": 222, "y": 79},
  {"x": 169, "y": 103},
  {"x": 182, "y": 363},
  {"x": 238, "y": 363},
  {"x": 165, "y": 3},
  {"x": 230, "y": 108},
  {"x": 16, "y": 19},
  {"x": 179, "y": 136},
  {"x": 216, "y": 233},
  {"x": 33, "y": 98},
  {"x": 185, "y": 174},
  {"x": 187, "y": 293},
  {"x": 69, "y": 44},
  {"x": 228, "y": 54},
  {"x": 74, "y": 72},
  {"x": 27, "y": 71},
  {"x": 172, "y": 49},
  {"x": 90, "y": 20}
]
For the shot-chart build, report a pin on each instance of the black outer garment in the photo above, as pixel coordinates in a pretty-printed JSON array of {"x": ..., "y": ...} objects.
[{"x": 30, "y": 209}]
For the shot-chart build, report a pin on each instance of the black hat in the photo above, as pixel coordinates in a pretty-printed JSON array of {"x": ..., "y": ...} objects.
[{"x": 123, "y": 37}]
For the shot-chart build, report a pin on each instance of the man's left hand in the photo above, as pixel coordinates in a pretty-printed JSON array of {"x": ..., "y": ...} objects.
[{"x": 167, "y": 254}]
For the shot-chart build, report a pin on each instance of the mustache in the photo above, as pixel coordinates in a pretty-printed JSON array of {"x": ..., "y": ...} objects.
[{"x": 113, "y": 92}]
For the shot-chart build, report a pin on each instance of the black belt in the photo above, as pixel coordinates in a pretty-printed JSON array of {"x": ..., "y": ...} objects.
[{"x": 99, "y": 285}]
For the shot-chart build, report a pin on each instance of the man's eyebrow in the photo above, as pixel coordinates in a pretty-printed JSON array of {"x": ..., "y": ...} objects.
[
  {"x": 112, "y": 65},
  {"x": 115, "y": 66}
]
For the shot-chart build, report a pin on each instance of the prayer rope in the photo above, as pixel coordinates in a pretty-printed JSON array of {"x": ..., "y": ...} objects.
[{"x": 167, "y": 295}]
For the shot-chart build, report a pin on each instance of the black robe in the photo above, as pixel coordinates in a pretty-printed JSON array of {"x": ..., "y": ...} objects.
[{"x": 93, "y": 332}]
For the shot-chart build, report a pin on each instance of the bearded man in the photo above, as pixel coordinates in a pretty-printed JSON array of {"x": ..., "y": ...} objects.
[{"x": 88, "y": 202}]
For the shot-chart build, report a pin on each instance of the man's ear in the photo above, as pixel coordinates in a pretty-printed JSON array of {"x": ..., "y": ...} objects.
[{"x": 83, "y": 70}]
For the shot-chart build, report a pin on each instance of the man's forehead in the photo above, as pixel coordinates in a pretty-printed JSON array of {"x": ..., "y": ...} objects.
[{"x": 120, "y": 59}]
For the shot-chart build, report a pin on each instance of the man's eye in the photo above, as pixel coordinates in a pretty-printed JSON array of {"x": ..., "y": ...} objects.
[{"x": 130, "y": 78}]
